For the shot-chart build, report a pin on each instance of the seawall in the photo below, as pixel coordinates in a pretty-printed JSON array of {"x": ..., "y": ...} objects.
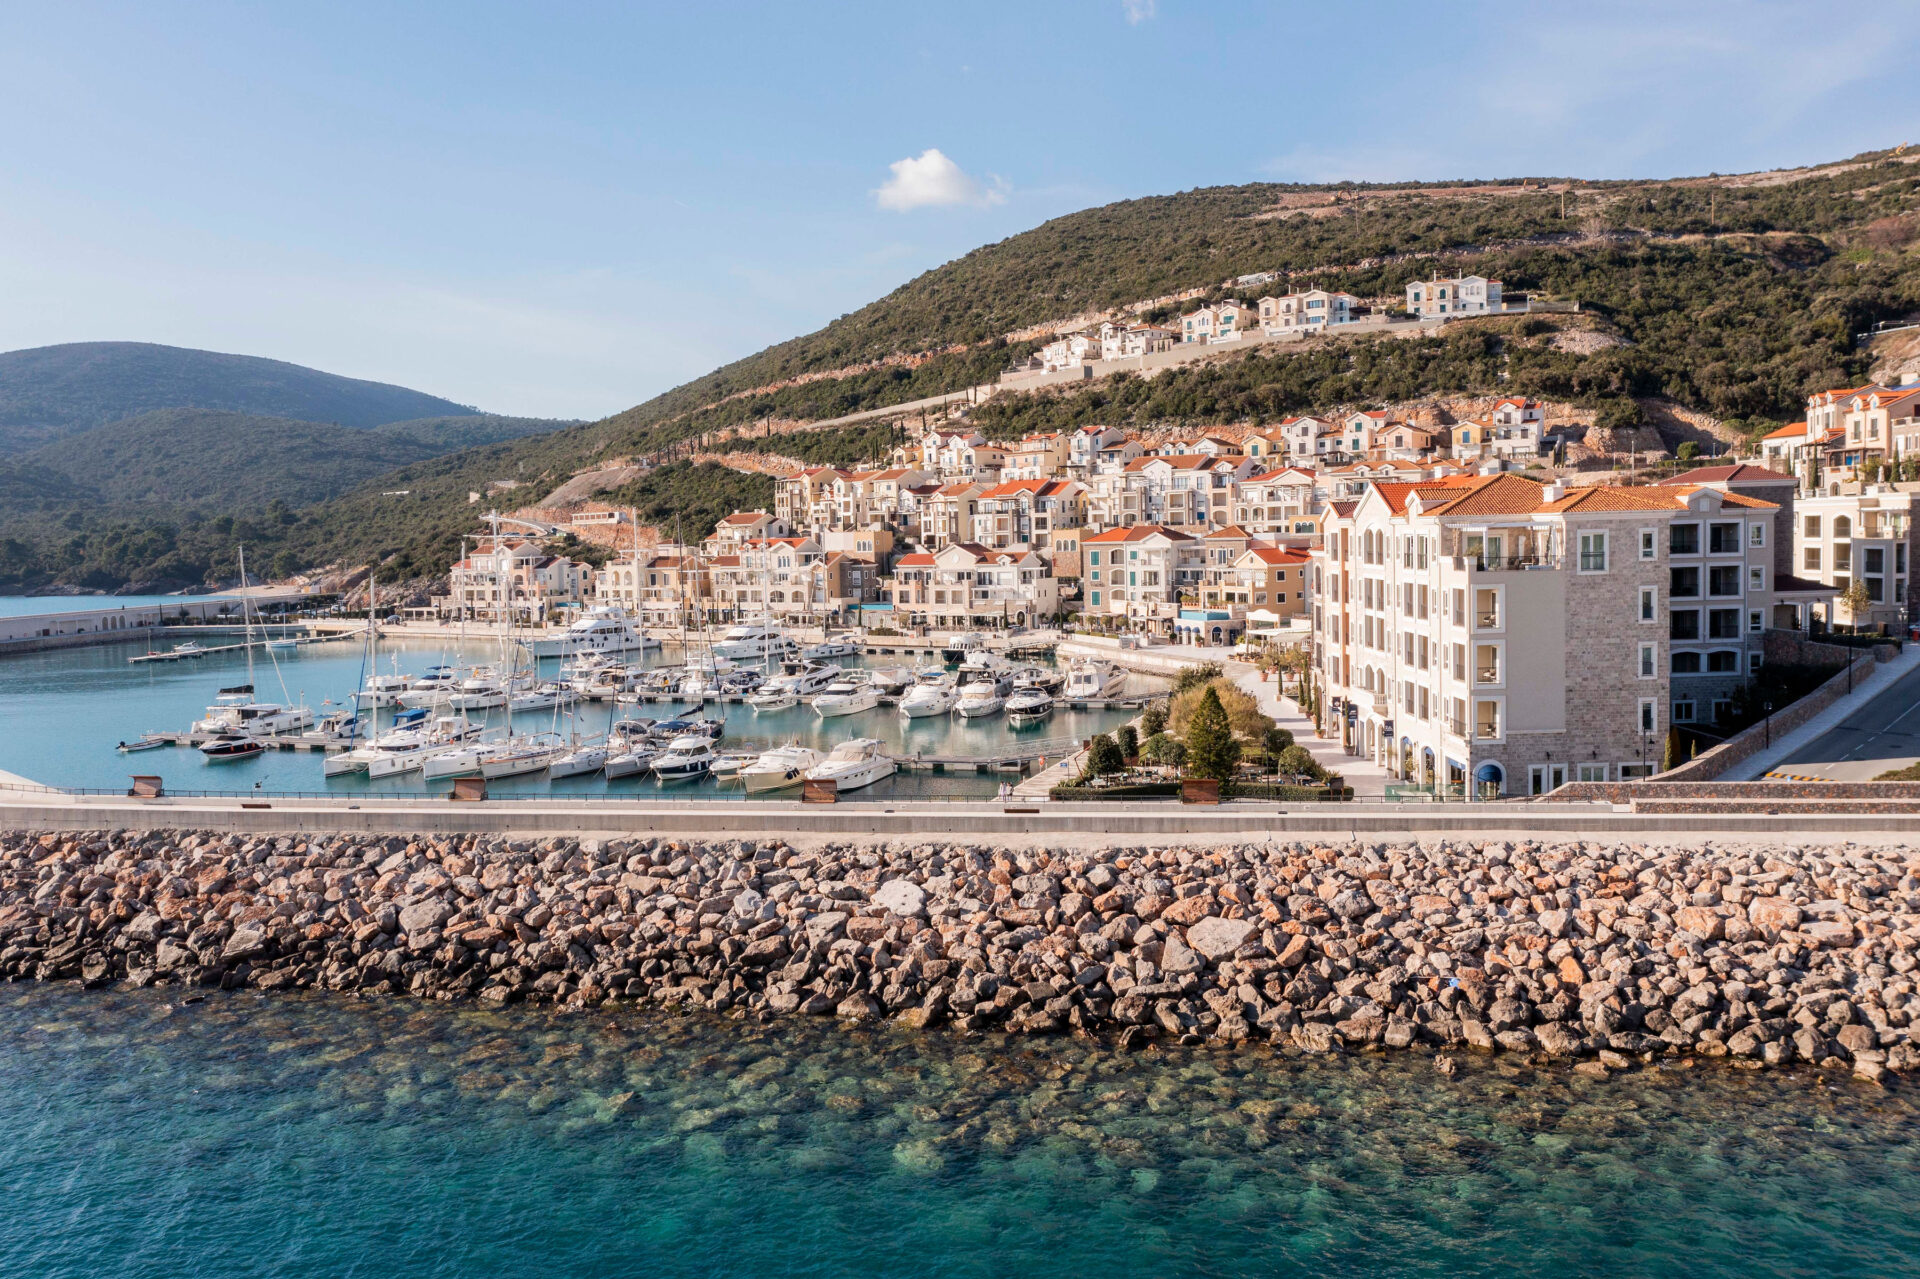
[{"x": 1608, "y": 954}]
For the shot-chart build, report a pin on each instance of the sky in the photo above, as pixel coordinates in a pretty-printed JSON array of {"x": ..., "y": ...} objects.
[{"x": 563, "y": 209}]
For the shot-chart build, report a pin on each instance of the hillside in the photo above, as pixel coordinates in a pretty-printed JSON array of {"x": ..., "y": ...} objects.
[
  {"x": 50, "y": 392},
  {"x": 1728, "y": 296}
]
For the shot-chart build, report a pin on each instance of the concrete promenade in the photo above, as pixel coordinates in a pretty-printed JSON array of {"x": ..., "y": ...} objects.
[{"x": 33, "y": 808}]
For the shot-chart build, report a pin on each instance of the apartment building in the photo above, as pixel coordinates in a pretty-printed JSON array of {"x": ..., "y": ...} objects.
[
  {"x": 515, "y": 580},
  {"x": 1275, "y": 503},
  {"x": 1492, "y": 635},
  {"x": 1194, "y": 489},
  {"x": 1787, "y": 450},
  {"x": 966, "y": 586},
  {"x": 1023, "y": 513},
  {"x": 1123, "y": 342},
  {"x": 1456, "y": 295},
  {"x": 1305, "y": 312},
  {"x": 801, "y": 498},
  {"x": 1866, "y": 537},
  {"x": 1085, "y": 443},
  {"x": 792, "y": 579},
  {"x": 744, "y": 526},
  {"x": 946, "y": 514},
  {"x": 1037, "y": 457},
  {"x": 661, "y": 586},
  {"x": 1138, "y": 574},
  {"x": 1256, "y": 578}
]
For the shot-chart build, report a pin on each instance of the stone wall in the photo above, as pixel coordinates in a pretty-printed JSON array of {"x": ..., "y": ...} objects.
[
  {"x": 1751, "y": 741},
  {"x": 1788, "y": 954}
]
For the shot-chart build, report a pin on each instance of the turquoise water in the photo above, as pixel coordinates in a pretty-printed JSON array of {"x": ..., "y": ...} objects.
[
  {"x": 295, "y": 1136},
  {"x": 64, "y": 710}
]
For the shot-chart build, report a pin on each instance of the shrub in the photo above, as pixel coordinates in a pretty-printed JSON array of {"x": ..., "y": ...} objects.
[
  {"x": 1103, "y": 757},
  {"x": 1153, "y": 721},
  {"x": 1297, "y": 759},
  {"x": 1129, "y": 740},
  {"x": 1243, "y": 713},
  {"x": 1192, "y": 677},
  {"x": 1273, "y": 742},
  {"x": 1164, "y": 751},
  {"x": 1212, "y": 749}
]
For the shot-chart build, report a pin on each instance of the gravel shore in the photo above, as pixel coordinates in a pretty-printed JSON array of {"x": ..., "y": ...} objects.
[{"x": 1608, "y": 954}]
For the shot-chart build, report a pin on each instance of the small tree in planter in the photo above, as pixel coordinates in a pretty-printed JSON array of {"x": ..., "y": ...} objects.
[
  {"x": 1299, "y": 761},
  {"x": 1103, "y": 758},
  {"x": 1163, "y": 751},
  {"x": 1272, "y": 743},
  {"x": 1129, "y": 741},
  {"x": 1212, "y": 750}
]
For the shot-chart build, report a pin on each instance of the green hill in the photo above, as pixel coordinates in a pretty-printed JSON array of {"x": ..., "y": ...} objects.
[
  {"x": 1728, "y": 295},
  {"x": 53, "y": 391}
]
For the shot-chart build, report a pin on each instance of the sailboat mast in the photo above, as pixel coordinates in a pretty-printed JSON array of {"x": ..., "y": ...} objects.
[{"x": 246, "y": 620}]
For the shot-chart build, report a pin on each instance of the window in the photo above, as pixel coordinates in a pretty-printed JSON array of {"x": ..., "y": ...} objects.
[
  {"x": 1842, "y": 557},
  {"x": 1842, "y": 528},
  {"x": 1593, "y": 772},
  {"x": 1683, "y": 583},
  {"x": 1683, "y": 712},
  {"x": 1724, "y": 539},
  {"x": 1685, "y": 624},
  {"x": 1810, "y": 558},
  {"x": 1756, "y": 622},
  {"x": 1093, "y": 558},
  {"x": 1684, "y": 539},
  {"x": 1753, "y": 662},
  {"x": 1649, "y": 655},
  {"x": 1593, "y": 552},
  {"x": 1649, "y": 602},
  {"x": 1686, "y": 663},
  {"x": 1722, "y": 708},
  {"x": 1649, "y": 708},
  {"x": 1723, "y": 623},
  {"x": 1720, "y": 662},
  {"x": 1096, "y": 599},
  {"x": 1756, "y": 578},
  {"x": 1757, "y": 533},
  {"x": 1876, "y": 589},
  {"x": 1874, "y": 559},
  {"x": 1810, "y": 526},
  {"x": 1649, "y": 545},
  {"x": 1723, "y": 579}
]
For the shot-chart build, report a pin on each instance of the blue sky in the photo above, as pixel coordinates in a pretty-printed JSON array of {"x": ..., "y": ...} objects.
[{"x": 564, "y": 209}]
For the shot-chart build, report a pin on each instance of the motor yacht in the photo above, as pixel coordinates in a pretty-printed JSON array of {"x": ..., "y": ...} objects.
[
  {"x": 192, "y": 648},
  {"x": 830, "y": 647},
  {"x": 462, "y": 760},
  {"x": 861, "y": 761},
  {"x": 981, "y": 660},
  {"x": 779, "y": 768},
  {"x": 847, "y": 696},
  {"x": 1047, "y": 681},
  {"x": 752, "y": 642},
  {"x": 929, "y": 697},
  {"x": 604, "y": 629},
  {"x": 546, "y": 697},
  {"x": 481, "y": 690},
  {"x": 1029, "y": 705},
  {"x": 690, "y": 726},
  {"x": 979, "y": 700},
  {"x": 405, "y": 756},
  {"x": 228, "y": 747},
  {"x": 685, "y": 759},
  {"x": 960, "y": 645},
  {"x": 1094, "y": 679},
  {"x": 775, "y": 695},
  {"x": 809, "y": 678}
]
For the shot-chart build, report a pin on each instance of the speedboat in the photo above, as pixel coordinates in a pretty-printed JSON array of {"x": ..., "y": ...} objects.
[
  {"x": 729, "y": 766},
  {"x": 590, "y": 757},
  {"x": 1094, "y": 679},
  {"x": 685, "y": 759},
  {"x": 528, "y": 753},
  {"x": 711, "y": 729},
  {"x": 847, "y": 696},
  {"x": 862, "y": 761},
  {"x": 1028, "y": 705},
  {"x": 148, "y": 742},
  {"x": 633, "y": 759},
  {"x": 1038, "y": 677},
  {"x": 978, "y": 700},
  {"x": 779, "y": 768},
  {"x": 929, "y": 697},
  {"x": 192, "y": 648},
  {"x": 228, "y": 747},
  {"x": 830, "y": 647}
]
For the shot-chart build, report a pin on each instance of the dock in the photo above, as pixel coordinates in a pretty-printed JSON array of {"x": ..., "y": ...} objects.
[{"x": 173, "y": 655}]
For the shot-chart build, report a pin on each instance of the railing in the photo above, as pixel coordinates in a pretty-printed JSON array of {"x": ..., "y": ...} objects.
[
  {"x": 1486, "y": 730},
  {"x": 1508, "y": 563}
]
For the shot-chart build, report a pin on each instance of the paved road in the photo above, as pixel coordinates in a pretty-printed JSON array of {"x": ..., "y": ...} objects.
[{"x": 1883, "y": 734}]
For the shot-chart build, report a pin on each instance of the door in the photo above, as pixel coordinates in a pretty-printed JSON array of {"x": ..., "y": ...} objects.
[{"x": 1547, "y": 777}]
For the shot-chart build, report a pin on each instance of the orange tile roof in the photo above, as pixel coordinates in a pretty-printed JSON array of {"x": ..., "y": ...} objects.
[
  {"x": 1139, "y": 532},
  {"x": 1786, "y": 432}
]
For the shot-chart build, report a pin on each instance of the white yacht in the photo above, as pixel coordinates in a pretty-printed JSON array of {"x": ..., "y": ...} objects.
[
  {"x": 1094, "y": 679},
  {"x": 775, "y": 695},
  {"x": 548, "y": 696},
  {"x": 852, "y": 764},
  {"x": 847, "y": 696},
  {"x": 523, "y": 753},
  {"x": 235, "y": 711},
  {"x": 751, "y": 642},
  {"x": 402, "y": 756},
  {"x": 383, "y": 690},
  {"x": 604, "y": 629},
  {"x": 462, "y": 760},
  {"x": 632, "y": 760},
  {"x": 979, "y": 700},
  {"x": 779, "y": 768},
  {"x": 589, "y": 757},
  {"x": 684, "y": 759},
  {"x": 830, "y": 647},
  {"x": 929, "y": 697},
  {"x": 1028, "y": 705}
]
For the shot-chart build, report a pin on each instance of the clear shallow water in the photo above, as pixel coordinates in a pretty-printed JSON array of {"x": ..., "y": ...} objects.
[
  {"x": 311, "y": 1136},
  {"x": 62, "y": 711}
]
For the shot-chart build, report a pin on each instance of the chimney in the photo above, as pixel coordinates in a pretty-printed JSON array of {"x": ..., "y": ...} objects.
[{"x": 1553, "y": 492}]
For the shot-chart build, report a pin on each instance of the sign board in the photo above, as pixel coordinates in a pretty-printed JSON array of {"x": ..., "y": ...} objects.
[{"x": 821, "y": 791}]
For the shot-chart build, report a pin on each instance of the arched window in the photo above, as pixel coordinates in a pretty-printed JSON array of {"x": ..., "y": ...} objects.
[{"x": 1842, "y": 527}]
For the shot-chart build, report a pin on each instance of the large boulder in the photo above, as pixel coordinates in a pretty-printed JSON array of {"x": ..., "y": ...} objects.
[
  {"x": 1216, "y": 938},
  {"x": 901, "y": 897},
  {"x": 422, "y": 917}
]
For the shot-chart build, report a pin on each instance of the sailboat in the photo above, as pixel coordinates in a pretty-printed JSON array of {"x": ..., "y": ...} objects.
[{"x": 235, "y": 716}]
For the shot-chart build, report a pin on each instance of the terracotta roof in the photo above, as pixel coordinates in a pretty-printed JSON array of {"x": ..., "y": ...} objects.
[
  {"x": 1305, "y": 473},
  {"x": 1738, "y": 473},
  {"x": 1275, "y": 555},
  {"x": 1230, "y": 530},
  {"x": 745, "y": 517},
  {"x": 1787, "y": 432},
  {"x": 915, "y": 560},
  {"x": 1139, "y": 532}
]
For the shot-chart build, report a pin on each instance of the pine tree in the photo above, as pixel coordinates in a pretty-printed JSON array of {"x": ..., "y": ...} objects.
[{"x": 1212, "y": 750}]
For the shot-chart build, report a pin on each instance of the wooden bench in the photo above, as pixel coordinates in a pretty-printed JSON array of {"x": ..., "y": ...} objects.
[{"x": 146, "y": 786}]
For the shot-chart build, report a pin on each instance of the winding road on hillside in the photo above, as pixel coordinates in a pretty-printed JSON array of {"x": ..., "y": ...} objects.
[{"x": 1884, "y": 734}]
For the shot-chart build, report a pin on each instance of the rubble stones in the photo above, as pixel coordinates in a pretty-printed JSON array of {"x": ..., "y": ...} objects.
[{"x": 1553, "y": 950}]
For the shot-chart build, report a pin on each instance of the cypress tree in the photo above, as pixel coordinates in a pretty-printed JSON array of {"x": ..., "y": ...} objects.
[{"x": 1212, "y": 750}]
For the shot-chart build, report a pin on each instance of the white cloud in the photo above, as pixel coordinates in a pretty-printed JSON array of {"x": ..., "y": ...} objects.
[
  {"x": 1137, "y": 11},
  {"x": 930, "y": 181}
]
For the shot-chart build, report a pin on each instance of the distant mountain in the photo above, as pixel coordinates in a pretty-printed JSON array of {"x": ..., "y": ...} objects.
[
  {"x": 50, "y": 392},
  {"x": 204, "y": 457}
]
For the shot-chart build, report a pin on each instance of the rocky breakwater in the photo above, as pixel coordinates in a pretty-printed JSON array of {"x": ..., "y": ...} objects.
[{"x": 1609, "y": 954}]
